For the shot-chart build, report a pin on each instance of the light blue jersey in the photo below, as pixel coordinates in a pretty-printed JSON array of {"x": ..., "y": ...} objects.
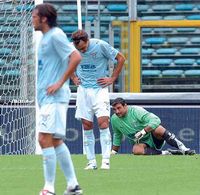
[
  {"x": 53, "y": 56},
  {"x": 94, "y": 63}
]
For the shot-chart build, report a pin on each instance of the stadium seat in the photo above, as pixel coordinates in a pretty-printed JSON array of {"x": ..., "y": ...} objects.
[
  {"x": 2, "y": 62},
  {"x": 145, "y": 62},
  {"x": 151, "y": 17},
  {"x": 162, "y": 7},
  {"x": 89, "y": 18},
  {"x": 146, "y": 30},
  {"x": 184, "y": 61},
  {"x": 192, "y": 73},
  {"x": 69, "y": 29},
  {"x": 147, "y": 51},
  {"x": 155, "y": 40},
  {"x": 165, "y": 30},
  {"x": 198, "y": 62},
  {"x": 95, "y": 7},
  {"x": 142, "y": 8},
  {"x": 16, "y": 62},
  {"x": 166, "y": 51},
  {"x": 161, "y": 61},
  {"x": 107, "y": 18},
  {"x": 178, "y": 40},
  {"x": 172, "y": 73},
  {"x": 195, "y": 40},
  {"x": 117, "y": 7},
  {"x": 193, "y": 17},
  {"x": 184, "y": 7},
  {"x": 5, "y": 51},
  {"x": 122, "y": 18},
  {"x": 69, "y": 7},
  {"x": 64, "y": 18},
  {"x": 174, "y": 17},
  {"x": 21, "y": 8},
  {"x": 190, "y": 50},
  {"x": 151, "y": 73},
  {"x": 186, "y": 29}
]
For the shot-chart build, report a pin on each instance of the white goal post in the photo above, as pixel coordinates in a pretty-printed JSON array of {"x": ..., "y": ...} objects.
[{"x": 17, "y": 78}]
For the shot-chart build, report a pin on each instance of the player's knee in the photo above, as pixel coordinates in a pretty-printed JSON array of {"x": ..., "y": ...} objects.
[{"x": 138, "y": 150}]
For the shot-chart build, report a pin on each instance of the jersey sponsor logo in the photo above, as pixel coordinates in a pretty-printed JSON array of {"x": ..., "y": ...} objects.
[{"x": 88, "y": 67}]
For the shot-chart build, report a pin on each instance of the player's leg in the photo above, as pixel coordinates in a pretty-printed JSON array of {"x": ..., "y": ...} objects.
[
  {"x": 46, "y": 119},
  {"x": 89, "y": 144},
  {"x": 102, "y": 111},
  {"x": 85, "y": 113},
  {"x": 62, "y": 152},
  {"x": 105, "y": 140},
  {"x": 144, "y": 149},
  {"x": 170, "y": 138}
]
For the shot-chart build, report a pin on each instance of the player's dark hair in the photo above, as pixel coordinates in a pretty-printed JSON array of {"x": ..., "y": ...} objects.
[
  {"x": 78, "y": 36},
  {"x": 119, "y": 101},
  {"x": 47, "y": 10}
]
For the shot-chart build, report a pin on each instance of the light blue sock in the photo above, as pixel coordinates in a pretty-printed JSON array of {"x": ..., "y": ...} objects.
[
  {"x": 49, "y": 166},
  {"x": 89, "y": 144},
  {"x": 65, "y": 161},
  {"x": 105, "y": 140}
]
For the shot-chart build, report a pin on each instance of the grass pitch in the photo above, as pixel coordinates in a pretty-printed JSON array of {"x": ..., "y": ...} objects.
[{"x": 129, "y": 175}]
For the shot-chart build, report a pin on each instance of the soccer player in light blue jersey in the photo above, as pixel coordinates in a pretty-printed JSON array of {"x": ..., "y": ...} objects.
[
  {"x": 57, "y": 60},
  {"x": 92, "y": 95},
  {"x": 144, "y": 131}
]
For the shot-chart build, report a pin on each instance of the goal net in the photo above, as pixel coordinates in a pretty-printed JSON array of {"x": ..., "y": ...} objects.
[{"x": 17, "y": 78}]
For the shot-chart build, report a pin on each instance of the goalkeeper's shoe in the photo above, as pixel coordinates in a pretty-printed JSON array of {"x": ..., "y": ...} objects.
[
  {"x": 46, "y": 192},
  {"x": 181, "y": 152},
  {"x": 74, "y": 191},
  {"x": 91, "y": 166}
]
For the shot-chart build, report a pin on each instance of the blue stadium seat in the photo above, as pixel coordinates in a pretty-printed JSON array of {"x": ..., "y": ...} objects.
[
  {"x": 166, "y": 51},
  {"x": 166, "y": 30},
  {"x": 16, "y": 62},
  {"x": 5, "y": 51},
  {"x": 151, "y": 17},
  {"x": 186, "y": 29},
  {"x": 195, "y": 40},
  {"x": 155, "y": 40},
  {"x": 69, "y": 29},
  {"x": 142, "y": 8},
  {"x": 151, "y": 73},
  {"x": 178, "y": 40},
  {"x": 184, "y": 7},
  {"x": 122, "y": 18},
  {"x": 162, "y": 7},
  {"x": 147, "y": 51},
  {"x": 107, "y": 18},
  {"x": 14, "y": 72},
  {"x": 89, "y": 18},
  {"x": 174, "y": 17},
  {"x": 117, "y": 7},
  {"x": 172, "y": 73},
  {"x": 21, "y": 8},
  {"x": 145, "y": 62},
  {"x": 189, "y": 50},
  {"x": 2, "y": 62},
  {"x": 184, "y": 61},
  {"x": 146, "y": 30},
  {"x": 198, "y": 61},
  {"x": 64, "y": 18},
  {"x": 192, "y": 73},
  {"x": 95, "y": 7},
  {"x": 193, "y": 17},
  {"x": 161, "y": 61},
  {"x": 69, "y": 7}
]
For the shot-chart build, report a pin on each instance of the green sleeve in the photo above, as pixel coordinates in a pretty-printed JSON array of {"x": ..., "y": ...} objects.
[
  {"x": 148, "y": 118},
  {"x": 117, "y": 135}
]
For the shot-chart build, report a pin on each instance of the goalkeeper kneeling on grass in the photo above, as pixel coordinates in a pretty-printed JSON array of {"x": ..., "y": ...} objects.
[{"x": 144, "y": 131}]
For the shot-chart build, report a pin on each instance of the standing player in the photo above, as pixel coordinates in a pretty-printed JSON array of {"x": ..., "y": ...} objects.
[
  {"x": 92, "y": 94},
  {"x": 144, "y": 131},
  {"x": 57, "y": 60}
]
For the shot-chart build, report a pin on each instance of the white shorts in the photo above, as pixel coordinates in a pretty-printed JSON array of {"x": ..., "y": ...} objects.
[
  {"x": 52, "y": 119},
  {"x": 92, "y": 102}
]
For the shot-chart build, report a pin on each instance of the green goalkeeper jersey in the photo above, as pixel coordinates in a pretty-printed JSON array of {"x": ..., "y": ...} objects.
[{"x": 136, "y": 119}]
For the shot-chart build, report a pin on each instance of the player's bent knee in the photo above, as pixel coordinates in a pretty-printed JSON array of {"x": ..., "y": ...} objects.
[{"x": 138, "y": 150}]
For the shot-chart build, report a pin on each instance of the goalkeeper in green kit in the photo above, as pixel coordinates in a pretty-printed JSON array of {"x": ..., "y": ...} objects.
[{"x": 143, "y": 130}]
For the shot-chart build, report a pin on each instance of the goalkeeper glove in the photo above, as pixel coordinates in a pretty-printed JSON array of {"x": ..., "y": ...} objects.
[
  {"x": 113, "y": 152},
  {"x": 139, "y": 135}
]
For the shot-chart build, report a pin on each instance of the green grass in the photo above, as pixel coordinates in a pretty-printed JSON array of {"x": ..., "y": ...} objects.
[{"x": 129, "y": 175}]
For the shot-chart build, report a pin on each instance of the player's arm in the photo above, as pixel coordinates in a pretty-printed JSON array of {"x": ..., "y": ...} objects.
[
  {"x": 75, "y": 79},
  {"x": 74, "y": 60}
]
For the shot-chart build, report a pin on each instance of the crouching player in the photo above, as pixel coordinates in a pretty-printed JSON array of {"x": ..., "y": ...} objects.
[{"x": 143, "y": 129}]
